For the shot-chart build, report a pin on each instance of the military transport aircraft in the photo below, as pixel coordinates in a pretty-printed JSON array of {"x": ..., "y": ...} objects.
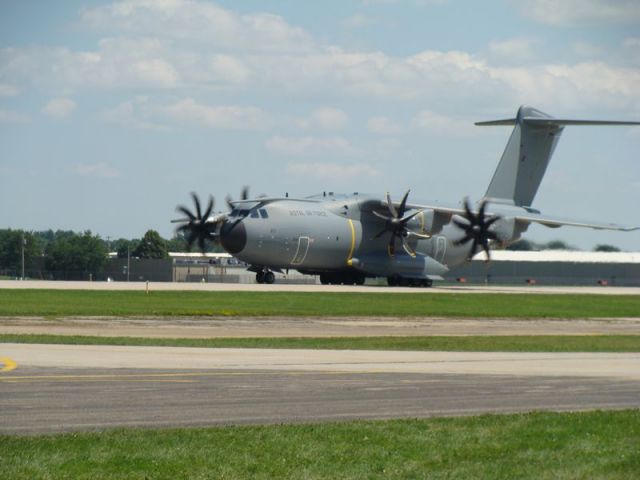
[{"x": 346, "y": 238}]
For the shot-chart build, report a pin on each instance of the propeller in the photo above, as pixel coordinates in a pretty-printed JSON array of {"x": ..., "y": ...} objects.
[
  {"x": 244, "y": 195},
  {"x": 196, "y": 226},
  {"x": 396, "y": 223},
  {"x": 476, "y": 228}
]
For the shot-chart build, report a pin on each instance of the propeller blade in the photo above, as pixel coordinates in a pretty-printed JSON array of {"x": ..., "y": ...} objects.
[
  {"x": 474, "y": 249},
  {"x": 485, "y": 247},
  {"x": 463, "y": 240},
  {"x": 228, "y": 199},
  {"x": 410, "y": 233},
  {"x": 196, "y": 200},
  {"x": 464, "y": 226},
  {"x": 207, "y": 212},
  {"x": 467, "y": 208},
  {"x": 407, "y": 248},
  {"x": 403, "y": 204},
  {"x": 380, "y": 233},
  {"x": 406, "y": 219},
  {"x": 244, "y": 195},
  {"x": 392, "y": 245},
  {"x": 391, "y": 207},
  {"x": 185, "y": 211},
  {"x": 379, "y": 215}
]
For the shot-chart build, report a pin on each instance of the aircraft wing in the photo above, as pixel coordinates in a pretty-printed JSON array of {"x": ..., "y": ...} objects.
[{"x": 526, "y": 216}]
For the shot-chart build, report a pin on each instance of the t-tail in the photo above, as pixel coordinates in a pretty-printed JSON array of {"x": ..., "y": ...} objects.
[{"x": 527, "y": 154}]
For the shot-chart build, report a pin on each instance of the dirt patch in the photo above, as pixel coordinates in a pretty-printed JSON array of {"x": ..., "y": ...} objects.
[{"x": 242, "y": 327}]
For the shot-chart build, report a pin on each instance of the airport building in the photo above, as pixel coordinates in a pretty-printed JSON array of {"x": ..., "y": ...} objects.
[{"x": 550, "y": 267}]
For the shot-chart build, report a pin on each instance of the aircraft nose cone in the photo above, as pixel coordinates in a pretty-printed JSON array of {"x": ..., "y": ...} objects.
[{"x": 233, "y": 237}]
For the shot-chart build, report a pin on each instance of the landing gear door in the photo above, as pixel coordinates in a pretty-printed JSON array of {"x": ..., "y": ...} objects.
[{"x": 301, "y": 252}]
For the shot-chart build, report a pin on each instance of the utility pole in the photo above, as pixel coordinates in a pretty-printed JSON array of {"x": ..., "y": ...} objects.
[{"x": 24, "y": 242}]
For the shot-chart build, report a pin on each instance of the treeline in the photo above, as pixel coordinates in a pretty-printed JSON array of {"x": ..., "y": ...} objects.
[
  {"x": 68, "y": 254},
  {"x": 528, "y": 245}
]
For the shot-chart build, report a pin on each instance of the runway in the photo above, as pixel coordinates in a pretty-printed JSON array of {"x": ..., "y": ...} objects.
[
  {"x": 254, "y": 287},
  {"x": 70, "y": 387}
]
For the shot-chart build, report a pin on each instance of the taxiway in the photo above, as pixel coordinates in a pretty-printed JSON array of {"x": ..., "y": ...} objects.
[{"x": 75, "y": 387}]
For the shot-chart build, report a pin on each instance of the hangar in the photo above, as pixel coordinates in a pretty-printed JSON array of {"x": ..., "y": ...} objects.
[{"x": 547, "y": 267}]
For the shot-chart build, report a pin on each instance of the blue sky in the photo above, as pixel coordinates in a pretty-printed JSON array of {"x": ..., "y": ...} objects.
[{"x": 111, "y": 112}]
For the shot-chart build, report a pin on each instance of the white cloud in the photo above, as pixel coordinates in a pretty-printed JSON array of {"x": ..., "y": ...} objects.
[
  {"x": 7, "y": 90},
  {"x": 326, "y": 118},
  {"x": 358, "y": 20},
  {"x": 225, "y": 117},
  {"x": 631, "y": 42},
  {"x": 136, "y": 113},
  {"x": 59, "y": 108},
  {"x": 332, "y": 171},
  {"x": 587, "y": 50},
  {"x": 513, "y": 49},
  {"x": 581, "y": 12},
  {"x": 442, "y": 125},
  {"x": 384, "y": 126},
  {"x": 9, "y": 116},
  {"x": 199, "y": 21},
  {"x": 99, "y": 170},
  {"x": 177, "y": 54},
  {"x": 310, "y": 145}
]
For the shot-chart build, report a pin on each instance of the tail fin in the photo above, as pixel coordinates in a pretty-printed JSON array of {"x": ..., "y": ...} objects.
[{"x": 527, "y": 154}]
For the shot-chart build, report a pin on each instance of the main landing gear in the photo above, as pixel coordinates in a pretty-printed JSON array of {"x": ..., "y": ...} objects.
[
  {"x": 342, "y": 278},
  {"x": 396, "y": 281},
  {"x": 265, "y": 276}
]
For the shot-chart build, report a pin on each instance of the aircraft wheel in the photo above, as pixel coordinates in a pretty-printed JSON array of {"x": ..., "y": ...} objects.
[
  {"x": 403, "y": 282},
  {"x": 269, "y": 278},
  {"x": 260, "y": 277},
  {"x": 392, "y": 281},
  {"x": 359, "y": 279},
  {"x": 324, "y": 278}
]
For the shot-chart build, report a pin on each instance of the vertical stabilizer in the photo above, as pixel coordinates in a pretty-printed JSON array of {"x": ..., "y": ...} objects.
[{"x": 525, "y": 158}]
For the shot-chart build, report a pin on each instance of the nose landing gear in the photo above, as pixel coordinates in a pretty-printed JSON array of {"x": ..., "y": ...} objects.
[{"x": 265, "y": 276}]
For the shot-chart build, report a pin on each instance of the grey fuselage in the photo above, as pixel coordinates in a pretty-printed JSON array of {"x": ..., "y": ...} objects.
[{"x": 333, "y": 233}]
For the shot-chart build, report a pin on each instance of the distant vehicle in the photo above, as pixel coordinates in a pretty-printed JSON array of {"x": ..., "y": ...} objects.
[{"x": 346, "y": 238}]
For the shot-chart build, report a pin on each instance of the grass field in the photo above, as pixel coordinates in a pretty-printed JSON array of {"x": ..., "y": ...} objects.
[
  {"x": 589, "y": 445},
  {"x": 538, "y": 343},
  {"x": 81, "y": 302}
]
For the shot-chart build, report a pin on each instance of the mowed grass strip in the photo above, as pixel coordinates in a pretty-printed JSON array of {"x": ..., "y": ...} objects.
[
  {"x": 123, "y": 303},
  {"x": 542, "y": 343},
  {"x": 593, "y": 445}
]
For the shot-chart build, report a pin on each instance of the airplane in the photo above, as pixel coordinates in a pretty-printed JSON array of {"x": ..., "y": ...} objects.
[{"x": 346, "y": 238}]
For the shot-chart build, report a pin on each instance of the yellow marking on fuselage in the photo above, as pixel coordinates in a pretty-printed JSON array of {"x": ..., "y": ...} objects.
[
  {"x": 8, "y": 364},
  {"x": 353, "y": 242}
]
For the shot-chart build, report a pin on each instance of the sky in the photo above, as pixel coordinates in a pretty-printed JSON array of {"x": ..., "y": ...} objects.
[{"x": 112, "y": 112}]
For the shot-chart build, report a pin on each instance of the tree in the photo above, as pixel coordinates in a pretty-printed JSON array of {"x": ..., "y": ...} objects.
[
  {"x": 125, "y": 247},
  {"x": 152, "y": 245},
  {"x": 76, "y": 256},
  {"x": 557, "y": 245},
  {"x": 606, "y": 248},
  {"x": 522, "y": 245},
  {"x": 11, "y": 243}
]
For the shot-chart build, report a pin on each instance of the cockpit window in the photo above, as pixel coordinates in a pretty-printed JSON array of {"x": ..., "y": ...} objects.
[
  {"x": 263, "y": 213},
  {"x": 234, "y": 213},
  {"x": 254, "y": 214},
  {"x": 244, "y": 212}
]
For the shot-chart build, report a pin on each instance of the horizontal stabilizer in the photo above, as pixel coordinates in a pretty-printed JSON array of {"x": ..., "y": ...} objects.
[{"x": 553, "y": 122}]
